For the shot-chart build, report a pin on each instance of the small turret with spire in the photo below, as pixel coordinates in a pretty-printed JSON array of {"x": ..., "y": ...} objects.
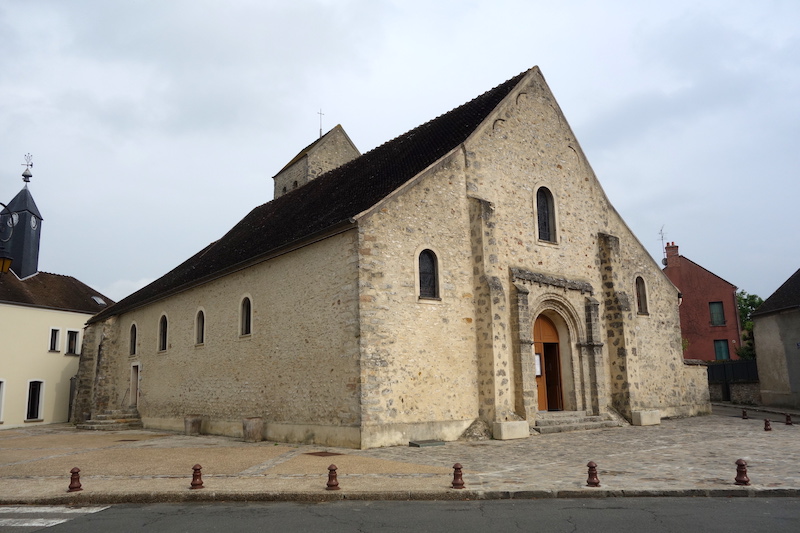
[{"x": 27, "y": 228}]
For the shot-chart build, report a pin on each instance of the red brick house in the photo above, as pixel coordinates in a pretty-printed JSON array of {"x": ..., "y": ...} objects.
[{"x": 709, "y": 313}]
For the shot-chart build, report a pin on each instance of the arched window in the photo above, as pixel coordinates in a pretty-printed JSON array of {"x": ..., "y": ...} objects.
[
  {"x": 162, "y": 333},
  {"x": 641, "y": 296},
  {"x": 428, "y": 275},
  {"x": 132, "y": 349},
  {"x": 545, "y": 215},
  {"x": 200, "y": 327},
  {"x": 247, "y": 317}
]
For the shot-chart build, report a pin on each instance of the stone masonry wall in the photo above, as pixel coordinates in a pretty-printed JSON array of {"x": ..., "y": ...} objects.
[
  {"x": 419, "y": 367},
  {"x": 527, "y": 145},
  {"x": 298, "y": 369}
]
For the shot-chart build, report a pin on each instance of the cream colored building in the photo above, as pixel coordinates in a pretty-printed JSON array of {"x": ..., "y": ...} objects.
[
  {"x": 42, "y": 317},
  {"x": 469, "y": 270}
]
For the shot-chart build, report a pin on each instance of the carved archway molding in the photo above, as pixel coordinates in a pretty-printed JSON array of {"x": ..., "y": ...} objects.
[{"x": 554, "y": 303}]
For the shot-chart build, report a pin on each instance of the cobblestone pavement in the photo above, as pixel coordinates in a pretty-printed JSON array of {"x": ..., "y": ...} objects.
[{"x": 691, "y": 456}]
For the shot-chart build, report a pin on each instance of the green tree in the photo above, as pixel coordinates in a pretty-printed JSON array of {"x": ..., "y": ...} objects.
[{"x": 747, "y": 303}]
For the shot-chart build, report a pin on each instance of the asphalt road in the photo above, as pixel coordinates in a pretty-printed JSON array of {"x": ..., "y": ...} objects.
[{"x": 652, "y": 515}]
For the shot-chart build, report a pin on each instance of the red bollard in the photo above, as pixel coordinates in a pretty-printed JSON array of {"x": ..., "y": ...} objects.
[
  {"x": 744, "y": 415},
  {"x": 333, "y": 482},
  {"x": 75, "y": 480},
  {"x": 789, "y": 420},
  {"x": 592, "y": 481},
  {"x": 767, "y": 425},
  {"x": 458, "y": 479},
  {"x": 741, "y": 473},
  {"x": 197, "y": 478}
]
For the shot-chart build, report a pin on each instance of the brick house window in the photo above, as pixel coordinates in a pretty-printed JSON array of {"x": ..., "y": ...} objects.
[
  {"x": 717, "y": 313},
  {"x": 721, "y": 352},
  {"x": 428, "y": 275},
  {"x": 545, "y": 215}
]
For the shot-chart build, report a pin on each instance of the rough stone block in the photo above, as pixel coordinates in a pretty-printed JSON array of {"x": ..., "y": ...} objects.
[
  {"x": 511, "y": 430},
  {"x": 646, "y": 418}
]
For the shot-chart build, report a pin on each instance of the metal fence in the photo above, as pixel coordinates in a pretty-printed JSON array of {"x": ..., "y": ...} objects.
[{"x": 739, "y": 371}]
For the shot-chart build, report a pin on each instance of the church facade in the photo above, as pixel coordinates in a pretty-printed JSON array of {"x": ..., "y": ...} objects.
[{"x": 469, "y": 270}]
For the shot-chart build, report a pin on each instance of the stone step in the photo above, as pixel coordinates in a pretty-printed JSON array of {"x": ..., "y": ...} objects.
[
  {"x": 569, "y": 420},
  {"x": 110, "y": 427},
  {"x": 560, "y": 414},
  {"x": 577, "y": 427}
]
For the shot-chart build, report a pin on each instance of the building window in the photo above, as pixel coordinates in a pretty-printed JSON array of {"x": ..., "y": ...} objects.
[
  {"x": 54, "y": 338},
  {"x": 247, "y": 317},
  {"x": 721, "y": 352},
  {"x": 200, "y": 327},
  {"x": 162, "y": 333},
  {"x": 35, "y": 390},
  {"x": 72, "y": 342},
  {"x": 428, "y": 275},
  {"x": 641, "y": 296},
  {"x": 717, "y": 313},
  {"x": 132, "y": 348},
  {"x": 545, "y": 215}
]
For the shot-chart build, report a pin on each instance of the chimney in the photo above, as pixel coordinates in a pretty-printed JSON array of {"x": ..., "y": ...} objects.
[{"x": 673, "y": 258}]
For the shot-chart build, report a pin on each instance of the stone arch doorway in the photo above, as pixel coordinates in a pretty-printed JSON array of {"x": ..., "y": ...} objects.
[{"x": 547, "y": 361}]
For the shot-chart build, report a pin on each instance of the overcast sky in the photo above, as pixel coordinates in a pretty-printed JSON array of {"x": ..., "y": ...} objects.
[{"x": 155, "y": 126}]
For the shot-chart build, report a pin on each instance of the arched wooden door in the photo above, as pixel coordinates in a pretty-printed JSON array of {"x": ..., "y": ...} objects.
[{"x": 548, "y": 364}]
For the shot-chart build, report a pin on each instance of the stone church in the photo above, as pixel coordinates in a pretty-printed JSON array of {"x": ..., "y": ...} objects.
[{"x": 471, "y": 269}]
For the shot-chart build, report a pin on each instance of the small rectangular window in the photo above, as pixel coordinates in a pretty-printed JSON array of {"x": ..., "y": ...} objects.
[
  {"x": 34, "y": 410},
  {"x": 72, "y": 342},
  {"x": 721, "y": 352},
  {"x": 717, "y": 313},
  {"x": 54, "y": 339}
]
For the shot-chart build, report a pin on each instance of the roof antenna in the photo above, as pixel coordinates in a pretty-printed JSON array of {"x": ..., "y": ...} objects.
[
  {"x": 26, "y": 176},
  {"x": 320, "y": 113},
  {"x": 663, "y": 250}
]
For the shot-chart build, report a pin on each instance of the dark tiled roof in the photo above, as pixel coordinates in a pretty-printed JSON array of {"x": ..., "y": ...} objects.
[
  {"x": 51, "y": 291},
  {"x": 326, "y": 202},
  {"x": 786, "y": 297}
]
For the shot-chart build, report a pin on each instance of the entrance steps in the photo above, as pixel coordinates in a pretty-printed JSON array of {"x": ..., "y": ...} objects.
[
  {"x": 560, "y": 421},
  {"x": 114, "y": 420}
]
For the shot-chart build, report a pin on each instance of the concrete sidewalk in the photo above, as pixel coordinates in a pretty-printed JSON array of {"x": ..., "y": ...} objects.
[{"x": 685, "y": 457}]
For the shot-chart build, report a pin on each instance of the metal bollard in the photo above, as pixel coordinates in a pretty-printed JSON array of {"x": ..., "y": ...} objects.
[
  {"x": 458, "y": 479},
  {"x": 75, "y": 480},
  {"x": 789, "y": 420},
  {"x": 741, "y": 473},
  {"x": 767, "y": 425},
  {"x": 333, "y": 482},
  {"x": 592, "y": 481},
  {"x": 744, "y": 415},
  {"x": 197, "y": 478}
]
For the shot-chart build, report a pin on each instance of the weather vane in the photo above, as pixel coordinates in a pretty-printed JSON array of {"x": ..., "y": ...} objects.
[{"x": 26, "y": 176}]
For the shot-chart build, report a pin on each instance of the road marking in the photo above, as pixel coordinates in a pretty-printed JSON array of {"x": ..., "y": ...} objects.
[
  {"x": 52, "y": 509},
  {"x": 31, "y": 522}
]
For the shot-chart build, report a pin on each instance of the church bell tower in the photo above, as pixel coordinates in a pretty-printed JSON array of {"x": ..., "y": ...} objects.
[{"x": 26, "y": 222}]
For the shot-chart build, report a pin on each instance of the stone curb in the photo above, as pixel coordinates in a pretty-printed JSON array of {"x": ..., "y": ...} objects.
[{"x": 204, "y": 495}]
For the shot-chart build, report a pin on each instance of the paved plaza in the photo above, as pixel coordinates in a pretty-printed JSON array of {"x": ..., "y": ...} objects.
[{"x": 681, "y": 457}]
